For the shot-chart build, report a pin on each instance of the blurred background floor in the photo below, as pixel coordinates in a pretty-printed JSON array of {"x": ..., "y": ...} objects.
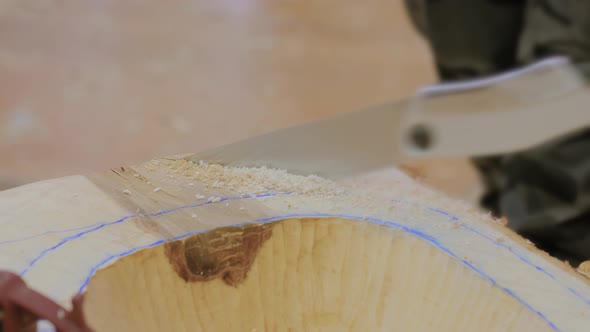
[{"x": 97, "y": 84}]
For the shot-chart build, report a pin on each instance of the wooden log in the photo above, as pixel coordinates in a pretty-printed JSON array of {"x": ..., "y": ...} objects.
[{"x": 172, "y": 245}]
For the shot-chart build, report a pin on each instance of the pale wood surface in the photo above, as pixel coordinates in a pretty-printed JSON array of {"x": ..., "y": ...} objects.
[
  {"x": 59, "y": 233},
  {"x": 312, "y": 275}
]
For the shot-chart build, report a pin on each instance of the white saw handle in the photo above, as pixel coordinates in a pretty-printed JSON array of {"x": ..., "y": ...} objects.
[{"x": 508, "y": 112}]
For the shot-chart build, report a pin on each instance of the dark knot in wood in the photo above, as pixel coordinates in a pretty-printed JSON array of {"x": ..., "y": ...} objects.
[{"x": 226, "y": 253}]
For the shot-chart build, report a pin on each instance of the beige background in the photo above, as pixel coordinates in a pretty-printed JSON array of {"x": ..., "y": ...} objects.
[{"x": 87, "y": 85}]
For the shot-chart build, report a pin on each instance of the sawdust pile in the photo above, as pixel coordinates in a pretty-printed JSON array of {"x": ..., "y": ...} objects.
[
  {"x": 367, "y": 191},
  {"x": 374, "y": 192},
  {"x": 247, "y": 180}
]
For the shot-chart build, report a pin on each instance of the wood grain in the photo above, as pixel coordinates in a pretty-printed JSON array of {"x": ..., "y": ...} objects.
[
  {"x": 313, "y": 275},
  {"x": 219, "y": 248}
]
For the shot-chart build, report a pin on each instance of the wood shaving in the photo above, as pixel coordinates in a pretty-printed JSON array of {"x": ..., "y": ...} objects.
[
  {"x": 157, "y": 189},
  {"x": 127, "y": 191}
]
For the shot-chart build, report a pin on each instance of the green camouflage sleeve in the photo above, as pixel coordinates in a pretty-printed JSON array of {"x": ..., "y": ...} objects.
[{"x": 544, "y": 192}]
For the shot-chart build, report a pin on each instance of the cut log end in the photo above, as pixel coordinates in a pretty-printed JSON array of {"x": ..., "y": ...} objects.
[
  {"x": 307, "y": 274},
  {"x": 272, "y": 251}
]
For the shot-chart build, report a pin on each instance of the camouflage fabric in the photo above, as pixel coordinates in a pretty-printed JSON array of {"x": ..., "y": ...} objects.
[{"x": 544, "y": 192}]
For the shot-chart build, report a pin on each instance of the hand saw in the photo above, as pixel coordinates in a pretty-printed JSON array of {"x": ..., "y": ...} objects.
[{"x": 508, "y": 112}]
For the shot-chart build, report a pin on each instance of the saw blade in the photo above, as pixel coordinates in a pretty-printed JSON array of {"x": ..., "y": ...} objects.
[{"x": 336, "y": 147}]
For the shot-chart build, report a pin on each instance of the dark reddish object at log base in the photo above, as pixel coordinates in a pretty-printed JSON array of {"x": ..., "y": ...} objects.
[{"x": 21, "y": 307}]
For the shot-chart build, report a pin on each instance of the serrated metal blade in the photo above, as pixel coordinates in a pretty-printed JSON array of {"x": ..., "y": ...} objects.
[
  {"x": 333, "y": 148},
  {"x": 504, "y": 113}
]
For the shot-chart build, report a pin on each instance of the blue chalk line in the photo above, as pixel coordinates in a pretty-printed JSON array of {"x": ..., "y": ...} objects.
[{"x": 95, "y": 227}]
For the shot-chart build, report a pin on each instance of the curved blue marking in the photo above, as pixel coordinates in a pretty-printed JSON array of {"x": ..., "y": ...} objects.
[
  {"x": 426, "y": 237},
  {"x": 154, "y": 214},
  {"x": 519, "y": 256},
  {"x": 67, "y": 230},
  {"x": 388, "y": 223}
]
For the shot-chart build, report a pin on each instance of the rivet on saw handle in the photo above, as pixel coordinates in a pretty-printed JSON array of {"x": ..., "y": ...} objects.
[{"x": 21, "y": 307}]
